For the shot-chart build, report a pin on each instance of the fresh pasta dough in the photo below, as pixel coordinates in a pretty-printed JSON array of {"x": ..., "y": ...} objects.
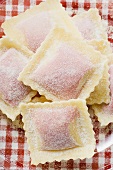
[
  {"x": 58, "y": 130},
  {"x": 12, "y": 92},
  {"x": 59, "y": 65},
  {"x": 64, "y": 69},
  {"x": 90, "y": 25},
  {"x": 34, "y": 25}
]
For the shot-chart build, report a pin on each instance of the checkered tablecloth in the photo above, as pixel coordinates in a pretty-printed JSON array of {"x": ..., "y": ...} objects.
[{"x": 14, "y": 154}]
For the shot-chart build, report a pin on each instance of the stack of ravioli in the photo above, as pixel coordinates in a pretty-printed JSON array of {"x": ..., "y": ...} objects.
[{"x": 51, "y": 67}]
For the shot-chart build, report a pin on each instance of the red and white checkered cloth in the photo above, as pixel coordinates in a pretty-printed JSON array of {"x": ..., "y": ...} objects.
[{"x": 14, "y": 154}]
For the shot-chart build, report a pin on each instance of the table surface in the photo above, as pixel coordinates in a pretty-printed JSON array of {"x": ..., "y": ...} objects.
[{"x": 14, "y": 152}]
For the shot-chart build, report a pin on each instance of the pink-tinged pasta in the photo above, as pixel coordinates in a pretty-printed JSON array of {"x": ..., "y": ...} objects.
[
  {"x": 58, "y": 130},
  {"x": 35, "y": 29},
  {"x": 32, "y": 27},
  {"x": 13, "y": 58},
  {"x": 11, "y": 64},
  {"x": 62, "y": 75},
  {"x": 104, "y": 112},
  {"x": 86, "y": 27},
  {"x": 64, "y": 67},
  {"x": 53, "y": 126},
  {"x": 90, "y": 25},
  {"x": 93, "y": 30}
]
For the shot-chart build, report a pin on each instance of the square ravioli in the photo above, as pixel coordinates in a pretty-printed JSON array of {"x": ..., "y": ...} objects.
[
  {"x": 64, "y": 68},
  {"x": 58, "y": 131},
  {"x": 34, "y": 24},
  {"x": 13, "y": 58},
  {"x": 104, "y": 112},
  {"x": 90, "y": 25},
  {"x": 101, "y": 94},
  {"x": 94, "y": 32}
]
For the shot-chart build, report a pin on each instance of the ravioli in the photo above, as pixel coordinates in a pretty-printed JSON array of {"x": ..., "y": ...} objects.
[
  {"x": 58, "y": 130},
  {"x": 33, "y": 26},
  {"x": 62, "y": 70},
  {"x": 12, "y": 92},
  {"x": 104, "y": 112},
  {"x": 90, "y": 25}
]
